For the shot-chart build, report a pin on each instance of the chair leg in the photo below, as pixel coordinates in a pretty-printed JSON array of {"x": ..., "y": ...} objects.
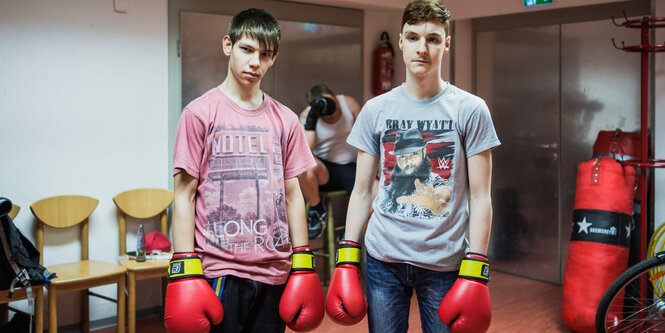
[
  {"x": 39, "y": 308},
  {"x": 122, "y": 306},
  {"x": 331, "y": 239},
  {"x": 4, "y": 314},
  {"x": 52, "y": 310},
  {"x": 85, "y": 311},
  {"x": 165, "y": 282}
]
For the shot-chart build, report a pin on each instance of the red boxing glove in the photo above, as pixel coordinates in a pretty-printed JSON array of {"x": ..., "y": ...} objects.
[
  {"x": 466, "y": 307},
  {"x": 346, "y": 303},
  {"x": 301, "y": 305},
  {"x": 190, "y": 303}
]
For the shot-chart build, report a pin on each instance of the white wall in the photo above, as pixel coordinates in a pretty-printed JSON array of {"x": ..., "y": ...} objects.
[{"x": 83, "y": 108}]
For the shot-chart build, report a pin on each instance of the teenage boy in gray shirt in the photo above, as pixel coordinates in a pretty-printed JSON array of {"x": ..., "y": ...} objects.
[{"x": 432, "y": 217}]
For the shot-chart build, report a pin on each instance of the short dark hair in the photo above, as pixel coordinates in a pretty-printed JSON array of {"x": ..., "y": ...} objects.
[
  {"x": 316, "y": 92},
  {"x": 419, "y": 11},
  {"x": 258, "y": 24}
]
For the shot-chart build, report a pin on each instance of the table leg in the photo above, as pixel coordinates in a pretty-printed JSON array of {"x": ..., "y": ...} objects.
[{"x": 131, "y": 302}]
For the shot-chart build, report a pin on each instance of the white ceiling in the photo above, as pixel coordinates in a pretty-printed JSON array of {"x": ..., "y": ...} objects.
[{"x": 359, "y": 4}]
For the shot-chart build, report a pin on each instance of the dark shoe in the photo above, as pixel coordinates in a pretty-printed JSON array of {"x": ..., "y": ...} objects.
[{"x": 316, "y": 223}]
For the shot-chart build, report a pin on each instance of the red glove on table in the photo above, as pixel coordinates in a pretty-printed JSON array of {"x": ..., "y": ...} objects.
[
  {"x": 466, "y": 307},
  {"x": 190, "y": 303},
  {"x": 346, "y": 303},
  {"x": 301, "y": 305}
]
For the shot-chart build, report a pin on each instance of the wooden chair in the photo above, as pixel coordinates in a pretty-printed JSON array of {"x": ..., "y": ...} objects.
[
  {"x": 14, "y": 211},
  {"x": 69, "y": 211},
  {"x": 329, "y": 246},
  {"x": 331, "y": 229},
  {"x": 21, "y": 294},
  {"x": 141, "y": 204}
]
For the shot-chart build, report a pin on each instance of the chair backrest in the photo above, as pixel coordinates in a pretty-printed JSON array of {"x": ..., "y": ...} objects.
[
  {"x": 141, "y": 203},
  {"x": 14, "y": 211},
  {"x": 63, "y": 212}
]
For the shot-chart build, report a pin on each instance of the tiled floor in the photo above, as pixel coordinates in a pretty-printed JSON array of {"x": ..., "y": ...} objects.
[{"x": 518, "y": 305}]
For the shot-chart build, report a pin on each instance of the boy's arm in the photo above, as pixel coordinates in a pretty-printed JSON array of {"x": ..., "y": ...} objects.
[
  {"x": 467, "y": 307},
  {"x": 182, "y": 311},
  {"x": 295, "y": 212},
  {"x": 480, "y": 201},
  {"x": 310, "y": 135},
  {"x": 301, "y": 304},
  {"x": 346, "y": 303},
  {"x": 183, "y": 212},
  {"x": 353, "y": 105},
  {"x": 361, "y": 196}
]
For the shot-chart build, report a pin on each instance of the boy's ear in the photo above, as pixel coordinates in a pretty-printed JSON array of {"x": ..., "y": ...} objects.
[
  {"x": 227, "y": 45},
  {"x": 272, "y": 60},
  {"x": 446, "y": 47},
  {"x": 400, "y": 41}
]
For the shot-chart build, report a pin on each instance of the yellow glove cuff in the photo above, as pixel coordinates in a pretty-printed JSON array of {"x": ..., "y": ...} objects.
[
  {"x": 185, "y": 267},
  {"x": 348, "y": 253},
  {"x": 302, "y": 259},
  {"x": 476, "y": 269}
]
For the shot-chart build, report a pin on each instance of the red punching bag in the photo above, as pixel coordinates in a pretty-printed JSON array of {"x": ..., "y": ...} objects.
[
  {"x": 600, "y": 239},
  {"x": 383, "y": 66},
  {"x": 623, "y": 146}
]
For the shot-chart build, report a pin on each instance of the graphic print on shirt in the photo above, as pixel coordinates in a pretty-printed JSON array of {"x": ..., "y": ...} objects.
[
  {"x": 244, "y": 214},
  {"x": 417, "y": 166}
]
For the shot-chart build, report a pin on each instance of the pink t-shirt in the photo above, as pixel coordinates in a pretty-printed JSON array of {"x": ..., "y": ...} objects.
[{"x": 241, "y": 159}]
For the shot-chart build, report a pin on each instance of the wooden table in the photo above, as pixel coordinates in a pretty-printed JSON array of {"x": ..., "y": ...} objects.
[{"x": 140, "y": 271}]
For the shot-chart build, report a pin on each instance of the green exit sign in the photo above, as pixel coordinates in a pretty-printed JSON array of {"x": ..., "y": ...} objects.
[{"x": 530, "y": 3}]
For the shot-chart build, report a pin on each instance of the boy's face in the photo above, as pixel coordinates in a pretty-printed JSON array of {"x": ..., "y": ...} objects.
[
  {"x": 248, "y": 62},
  {"x": 423, "y": 46}
]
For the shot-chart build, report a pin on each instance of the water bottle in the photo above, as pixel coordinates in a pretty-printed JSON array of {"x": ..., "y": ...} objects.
[{"x": 140, "y": 244}]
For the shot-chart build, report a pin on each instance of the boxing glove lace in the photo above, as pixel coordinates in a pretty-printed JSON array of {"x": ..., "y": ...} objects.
[
  {"x": 301, "y": 305},
  {"x": 190, "y": 305},
  {"x": 466, "y": 308},
  {"x": 345, "y": 303}
]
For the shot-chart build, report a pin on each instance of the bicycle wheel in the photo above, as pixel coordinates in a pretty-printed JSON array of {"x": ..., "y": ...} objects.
[{"x": 622, "y": 309}]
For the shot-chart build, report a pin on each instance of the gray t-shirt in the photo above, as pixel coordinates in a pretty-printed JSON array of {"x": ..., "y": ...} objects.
[{"x": 421, "y": 212}]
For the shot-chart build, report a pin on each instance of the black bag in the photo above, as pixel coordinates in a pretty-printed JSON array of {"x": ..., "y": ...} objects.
[
  {"x": 19, "y": 266},
  {"x": 19, "y": 261}
]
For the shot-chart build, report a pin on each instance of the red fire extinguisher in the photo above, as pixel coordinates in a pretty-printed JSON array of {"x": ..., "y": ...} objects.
[{"x": 383, "y": 66}]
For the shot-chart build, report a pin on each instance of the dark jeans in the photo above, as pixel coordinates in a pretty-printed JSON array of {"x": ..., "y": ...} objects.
[
  {"x": 389, "y": 290},
  {"x": 249, "y": 306}
]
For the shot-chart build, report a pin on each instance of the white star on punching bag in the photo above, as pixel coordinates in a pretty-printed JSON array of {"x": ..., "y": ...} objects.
[{"x": 584, "y": 226}]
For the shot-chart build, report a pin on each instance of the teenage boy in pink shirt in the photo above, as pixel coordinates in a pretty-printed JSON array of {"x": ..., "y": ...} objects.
[{"x": 239, "y": 225}]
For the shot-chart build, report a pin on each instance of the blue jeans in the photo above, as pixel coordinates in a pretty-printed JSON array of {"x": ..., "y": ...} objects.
[{"x": 389, "y": 289}]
